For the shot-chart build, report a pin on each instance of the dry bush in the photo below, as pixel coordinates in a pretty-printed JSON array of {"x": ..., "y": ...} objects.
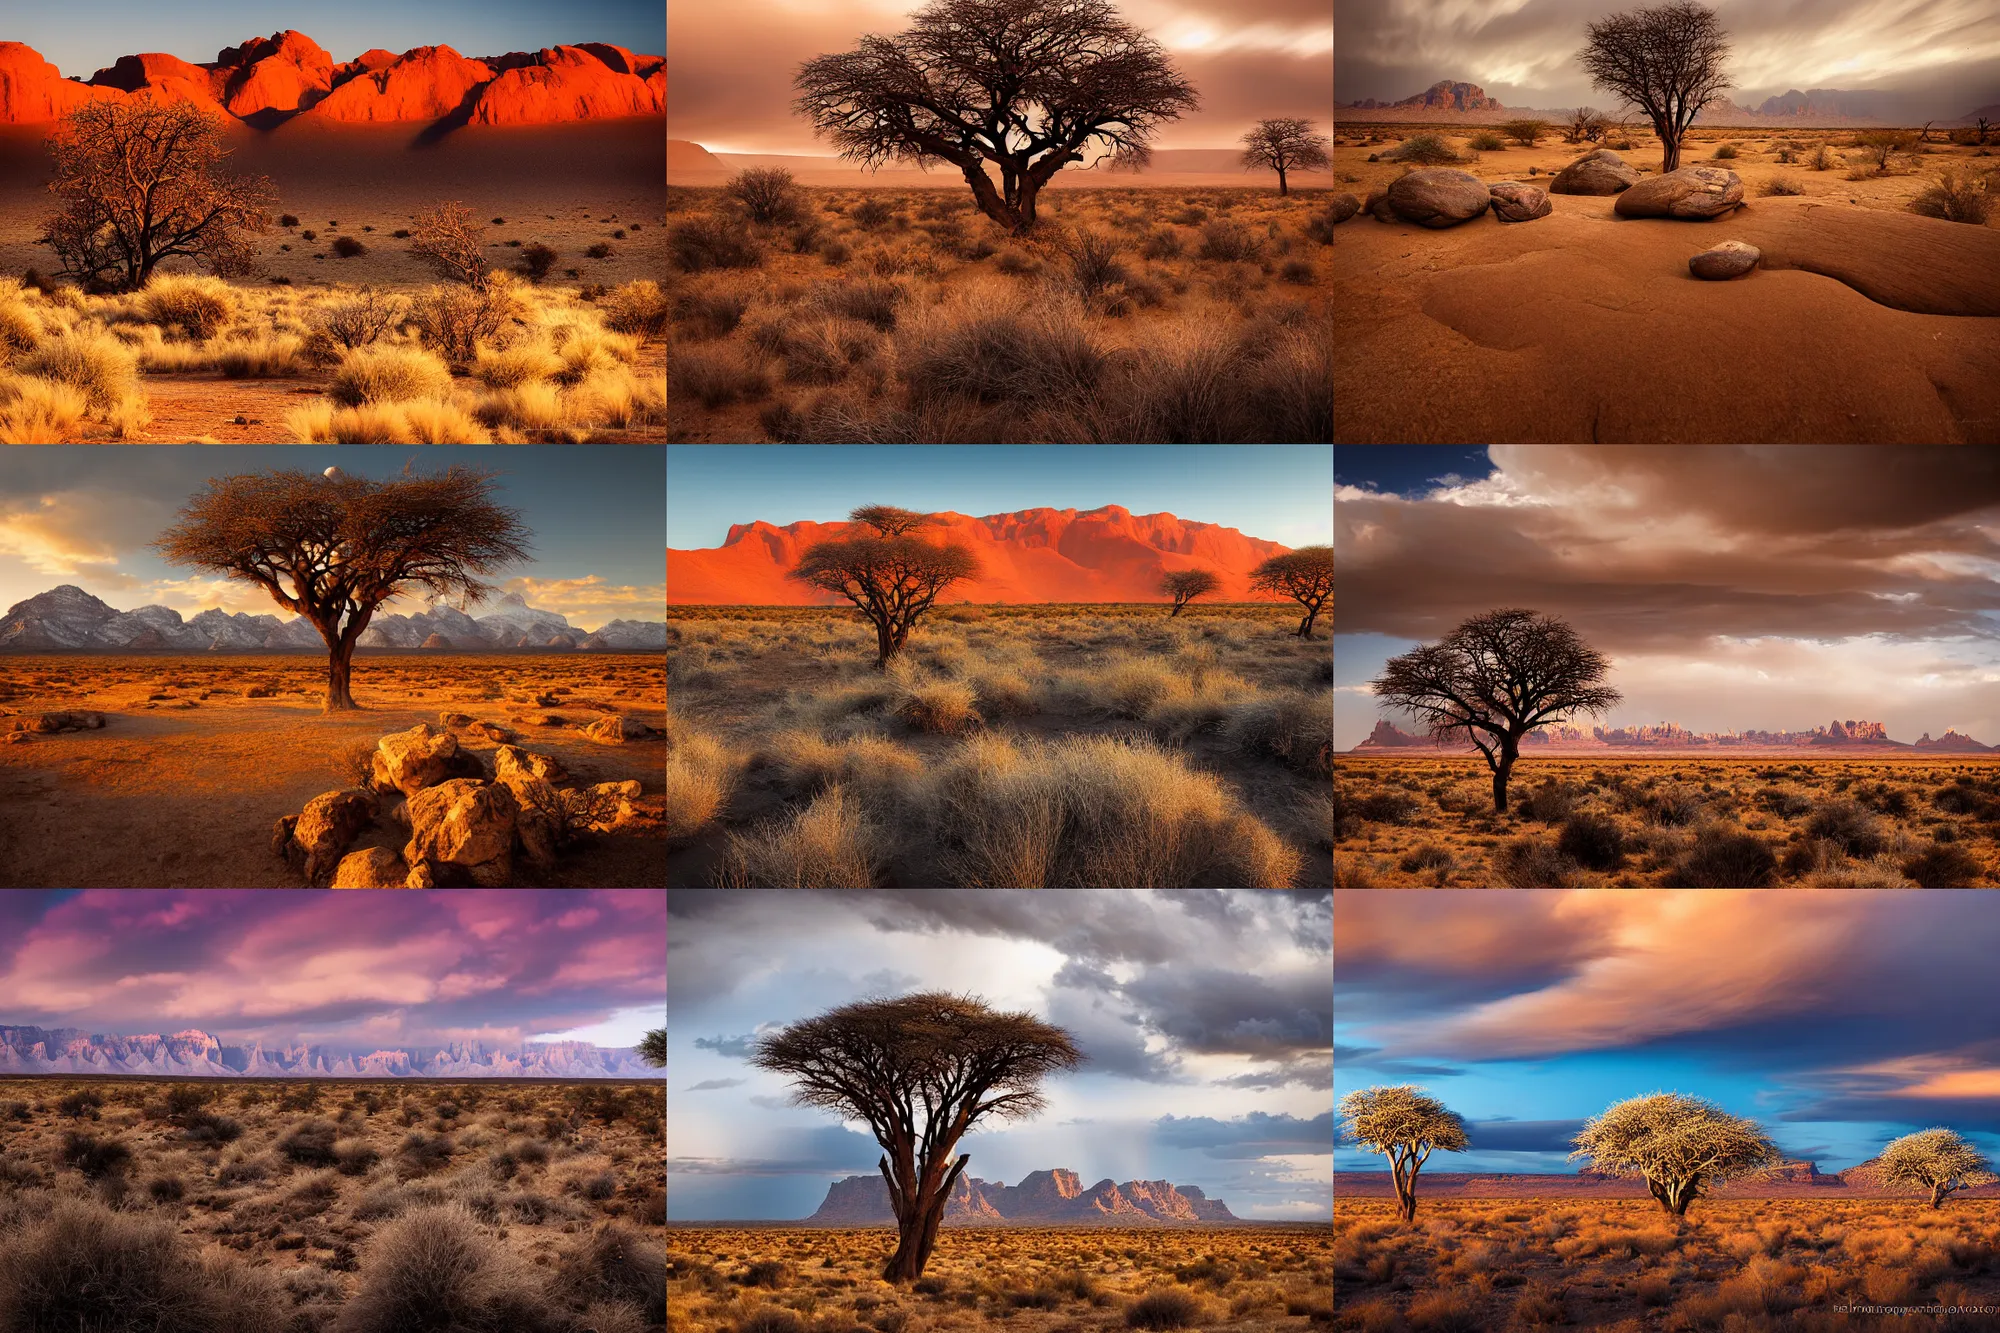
[
  {"x": 1294, "y": 728},
  {"x": 831, "y": 844},
  {"x": 1956, "y": 197},
  {"x": 261, "y": 356},
  {"x": 1592, "y": 840},
  {"x": 1230, "y": 242},
  {"x": 994, "y": 353},
  {"x": 1166, "y": 1308},
  {"x": 768, "y": 195},
  {"x": 1535, "y": 863},
  {"x": 424, "y": 421},
  {"x": 433, "y": 1270},
  {"x": 358, "y": 321},
  {"x": 944, "y": 707},
  {"x": 448, "y": 240},
  {"x": 716, "y": 376},
  {"x": 1725, "y": 858},
  {"x": 638, "y": 308},
  {"x": 96, "y": 365},
  {"x": 701, "y": 775},
  {"x": 454, "y": 321},
  {"x": 708, "y": 242},
  {"x": 536, "y": 260},
  {"x": 1822, "y": 159},
  {"x": 1946, "y": 866},
  {"x": 309, "y": 1143},
  {"x": 1426, "y": 149},
  {"x": 523, "y": 363},
  {"x": 39, "y": 411},
  {"x": 1848, "y": 824},
  {"x": 197, "y": 306},
  {"x": 873, "y": 301},
  {"x": 1782, "y": 183},
  {"x": 388, "y": 374}
]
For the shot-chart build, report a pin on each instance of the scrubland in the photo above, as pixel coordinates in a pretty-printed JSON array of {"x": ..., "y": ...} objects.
[
  {"x": 1744, "y": 1266},
  {"x": 906, "y": 316},
  {"x": 281, "y": 1206},
  {"x": 1018, "y": 747},
  {"x": 1036, "y": 1279},
  {"x": 199, "y": 360},
  {"x": 1579, "y": 822}
]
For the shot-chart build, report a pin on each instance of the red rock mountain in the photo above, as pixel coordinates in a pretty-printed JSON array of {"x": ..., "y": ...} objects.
[
  {"x": 1444, "y": 95},
  {"x": 1044, "y": 1196},
  {"x": 1031, "y": 555},
  {"x": 269, "y": 80}
]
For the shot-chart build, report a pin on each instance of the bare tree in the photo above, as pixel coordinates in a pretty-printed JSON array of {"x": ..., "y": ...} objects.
[
  {"x": 1938, "y": 1160},
  {"x": 1525, "y": 131},
  {"x": 1678, "y": 1144},
  {"x": 448, "y": 239},
  {"x": 652, "y": 1048},
  {"x": 1406, "y": 1125},
  {"x": 334, "y": 548},
  {"x": 921, "y": 1070},
  {"x": 1504, "y": 673},
  {"x": 1585, "y": 123},
  {"x": 1304, "y": 575},
  {"x": 1983, "y": 126},
  {"x": 1881, "y": 144},
  {"x": 768, "y": 194},
  {"x": 1285, "y": 143},
  {"x": 1667, "y": 61},
  {"x": 1184, "y": 585},
  {"x": 138, "y": 185},
  {"x": 1029, "y": 86},
  {"x": 892, "y": 576}
]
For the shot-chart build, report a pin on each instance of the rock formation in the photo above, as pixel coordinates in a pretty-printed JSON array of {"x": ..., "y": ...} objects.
[
  {"x": 1951, "y": 741},
  {"x": 1388, "y": 736},
  {"x": 30, "y": 1050},
  {"x": 1599, "y": 172},
  {"x": 1515, "y": 201},
  {"x": 1439, "y": 197},
  {"x": 1041, "y": 1197},
  {"x": 427, "y": 83},
  {"x": 32, "y": 90},
  {"x": 572, "y": 83},
  {"x": 1444, "y": 95}
]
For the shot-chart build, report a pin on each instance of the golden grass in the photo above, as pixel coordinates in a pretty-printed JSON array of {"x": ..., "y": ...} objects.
[
  {"x": 831, "y": 844},
  {"x": 38, "y": 411},
  {"x": 388, "y": 374}
]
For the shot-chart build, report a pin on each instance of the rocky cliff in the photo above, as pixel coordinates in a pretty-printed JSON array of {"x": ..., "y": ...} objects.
[
  {"x": 193, "y": 1053},
  {"x": 1043, "y": 1196}
]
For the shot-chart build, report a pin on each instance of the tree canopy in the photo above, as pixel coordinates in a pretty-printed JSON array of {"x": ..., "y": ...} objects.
[
  {"x": 652, "y": 1048},
  {"x": 1938, "y": 1160},
  {"x": 1677, "y": 1143},
  {"x": 893, "y": 577},
  {"x": 1304, "y": 575},
  {"x": 1184, "y": 585},
  {"x": 1405, "y": 1124},
  {"x": 1669, "y": 61}
]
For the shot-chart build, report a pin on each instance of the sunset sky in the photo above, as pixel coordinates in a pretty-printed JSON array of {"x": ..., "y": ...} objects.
[
  {"x": 82, "y": 36},
  {"x": 732, "y": 63},
  {"x": 1838, "y": 1019},
  {"x": 1206, "y": 1015},
  {"x": 595, "y": 512},
  {"x": 1772, "y": 587},
  {"x": 354, "y": 971},
  {"x": 1943, "y": 54}
]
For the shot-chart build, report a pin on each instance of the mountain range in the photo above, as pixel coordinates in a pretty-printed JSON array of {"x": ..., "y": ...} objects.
[
  {"x": 1669, "y": 735},
  {"x": 270, "y": 80},
  {"x": 1031, "y": 555},
  {"x": 1455, "y": 101},
  {"x": 69, "y": 617},
  {"x": 1042, "y": 1196},
  {"x": 193, "y": 1053}
]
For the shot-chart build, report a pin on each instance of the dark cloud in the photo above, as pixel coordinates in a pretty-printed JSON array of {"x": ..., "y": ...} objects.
[
  {"x": 713, "y": 1084},
  {"x": 1252, "y": 1135},
  {"x": 1521, "y": 1135},
  {"x": 1216, "y": 1012},
  {"x": 1307, "y": 1072}
]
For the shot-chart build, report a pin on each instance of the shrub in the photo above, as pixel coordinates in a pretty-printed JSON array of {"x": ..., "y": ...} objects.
[
  {"x": 770, "y": 1319},
  {"x": 1675, "y": 806},
  {"x": 198, "y": 307},
  {"x": 421, "y": 1153},
  {"x": 208, "y": 1128},
  {"x": 871, "y": 300},
  {"x": 1296, "y": 729},
  {"x": 1297, "y": 271},
  {"x": 1943, "y": 867},
  {"x": 99, "y": 367},
  {"x": 1427, "y": 149},
  {"x": 165, "y": 1189},
  {"x": 1724, "y": 859},
  {"x": 1486, "y": 141},
  {"x": 601, "y": 250},
  {"x": 1525, "y": 131},
  {"x": 1533, "y": 863},
  {"x": 308, "y": 235},
  {"x": 453, "y": 321},
  {"x": 1592, "y": 840},
  {"x": 1822, "y": 159},
  {"x": 831, "y": 844},
  {"x": 348, "y": 247},
  {"x": 767, "y": 195},
  {"x": 1093, "y": 261},
  {"x": 1551, "y": 802},
  {"x": 1783, "y": 184},
  {"x": 716, "y": 376},
  {"x": 1164, "y": 1309},
  {"x": 20, "y": 330},
  {"x": 309, "y": 1143},
  {"x": 1229, "y": 242},
  {"x": 638, "y": 308},
  {"x": 1726, "y": 151},
  {"x": 521, "y": 364},
  {"x": 996, "y": 355},
  {"x": 1848, "y": 824},
  {"x": 93, "y": 1156},
  {"x": 81, "y": 1104},
  {"x": 433, "y": 1270},
  {"x": 768, "y": 1273},
  {"x": 707, "y": 242},
  {"x": 870, "y": 214},
  {"x": 536, "y": 260},
  {"x": 268, "y": 356},
  {"x": 614, "y": 1265},
  {"x": 1388, "y": 807},
  {"x": 288, "y": 220},
  {"x": 943, "y": 707},
  {"x": 354, "y": 1156},
  {"x": 1956, "y": 197},
  {"x": 1430, "y": 856},
  {"x": 388, "y": 374}
]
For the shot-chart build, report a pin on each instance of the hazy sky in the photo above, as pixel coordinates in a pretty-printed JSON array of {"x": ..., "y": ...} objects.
[
  {"x": 1279, "y": 492},
  {"x": 349, "y": 970},
  {"x": 732, "y": 63},
  {"x": 83, "y": 36},
  {"x": 69, "y": 516},
  {"x": 1945, "y": 53},
  {"x": 1206, "y": 1014},
  {"x": 1838, "y": 1023},
  {"x": 1777, "y": 587}
]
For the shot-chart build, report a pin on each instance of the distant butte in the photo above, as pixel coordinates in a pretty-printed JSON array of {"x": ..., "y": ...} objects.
[
  {"x": 1043, "y": 1196},
  {"x": 1671, "y": 736}
]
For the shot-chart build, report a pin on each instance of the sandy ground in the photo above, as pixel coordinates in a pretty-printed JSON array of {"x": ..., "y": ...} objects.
[
  {"x": 1865, "y": 324},
  {"x": 172, "y": 796}
]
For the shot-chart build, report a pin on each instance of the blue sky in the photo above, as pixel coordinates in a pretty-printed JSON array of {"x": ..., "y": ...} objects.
[
  {"x": 1207, "y": 1016},
  {"x": 1837, "y": 1020},
  {"x": 1731, "y": 587},
  {"x": 1279, "y": 492},
  {"x": 596, "y": 512},
  {"x": 83, "y": 36}
]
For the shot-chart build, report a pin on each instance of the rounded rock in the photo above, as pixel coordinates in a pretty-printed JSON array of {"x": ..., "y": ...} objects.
[
  {"x": 1438, "y": 197},
  {"x": 1601, "y": 172},
  {"x": 1344, "y": 206},
  {"x": 1695, "y": 194},
  {"x": 1516, "y": 202},
  {"x": 1731, "y": 259}
]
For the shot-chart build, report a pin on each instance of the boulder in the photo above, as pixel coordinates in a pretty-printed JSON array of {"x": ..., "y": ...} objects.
[
  {"x": 77, "y": 720},
  {"x": 1697, "y": 194},
  {"x": 1438, "y": 197},
  {"x": 464, "y": 831},
  {"x": 608, "y": 805},
  {"x": 15, "y": 738},
  {"x": 323, "y": 831},
  {"x": 1731, "y": 259},
  {"x": 1343, "y": 207},
  {"x": 616, "y": 729},
  {"x": 371, "y": 868},
  {"x": 1377, "y": 207},
  {"x": 409, "y": 761},
  {"x": 33, "y": 91},
  {"x": 420, "y": 878},
  {"x": 513, "y": 766},
  {"x": 491, "y": 731},
  {"x": 1601, "y": 172},
  {"x": 1515, "y": 202},
  {"x": 454, "y": 719},
  {"x": 536, "y": 833}
]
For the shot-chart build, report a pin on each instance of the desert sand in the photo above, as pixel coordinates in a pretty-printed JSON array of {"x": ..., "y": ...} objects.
[
  {"x": 1865, "y": 323},
  {"x": 183, "y": 784}
]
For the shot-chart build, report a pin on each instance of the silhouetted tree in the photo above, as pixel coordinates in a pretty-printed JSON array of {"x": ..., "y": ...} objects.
[
  {"x": 1983, "y": 126},
  {"x": 138, "y": 185},
  {"x": 1027, "y": 85},
  {"x": 1184, "y": 585},
  {"x": 1677, "y": 1143},
  {"x": 1285, "y": 143},
  {"x": 768, "y": 194},
  {"x": 1667, "y": 61},
  {"x": 1938, "y": 1160},
  {"x": 653, "y": 1048},
  {"x": 921, "y": 1070},
  {"x": 1584, "y": 124},
  {"x": 1406, "y": 1125},
  {"x": 892, "y": 576},
  {"x": 1504, "y": 674},
  {"x": 1304, "y": 575},
  {"x": 334, "y": 548}
]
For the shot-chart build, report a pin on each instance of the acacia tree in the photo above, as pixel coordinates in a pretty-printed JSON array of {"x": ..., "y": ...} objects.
[
  {"x": 1304, "y": 575},
  {"x": 892, "y": 576},
  {"x": 138, "y": 184},
  {"x": 1184, "y": 585},
  {"x": 1406, "y": 1125},
  {"x": 333, "y": 548},
  {"x": 1939, "y": 1160},
  {"x": 921, "y": 1070},
  {"x": 1029, "y": 86},
  {"x": 1667, "y": 61},
  {"x": 652, "y": 1048},
  {"x": 1285, "y": 143},
  {"x": 1504, "y": 674},
  {"x": 1678, "y": 1144}
]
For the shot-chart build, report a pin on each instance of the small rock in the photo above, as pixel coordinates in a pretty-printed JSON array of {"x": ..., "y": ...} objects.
[
  {"x": 1515, "y": 202},
  {"x": 544, "y": 720},
  {"x": 617, "y": 729},
  {"x": 371, "y": 868},
  {"x": 492, "y": 731},
  {"x": 242, "y": 420},
  {"x": 324, "y": 831},
  {"x": 420, "y": 878},
  {"x": 513, "y": 766},
  {"x": 1731, "y": 259},
  {"x": 15, "y": 738},
  {"x": 454, "y": 719},
  {"x": 409, "y": 761}
]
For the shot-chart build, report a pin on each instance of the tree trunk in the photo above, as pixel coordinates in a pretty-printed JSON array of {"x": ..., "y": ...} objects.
[
  {"x": 1672, "y": 147},
  {"x": 1306, "y": 625},
  {"x": 884, "y": 648},
  {"x": 1509, "y": 752},
  {"x": 1937, "y": 1196},
  {"x": 918, "y": 1227},
  {"x": 1176, "y": 611},
  {"x": 339, "y": 667},
  {"x": 1282, "y": 191},
  {"x": 1406, "y": 1199}
]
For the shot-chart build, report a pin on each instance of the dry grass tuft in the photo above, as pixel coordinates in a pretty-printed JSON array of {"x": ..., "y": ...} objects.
[
  {"x": 831, "y": 844},
  {"x": 388, "y": 374}
]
